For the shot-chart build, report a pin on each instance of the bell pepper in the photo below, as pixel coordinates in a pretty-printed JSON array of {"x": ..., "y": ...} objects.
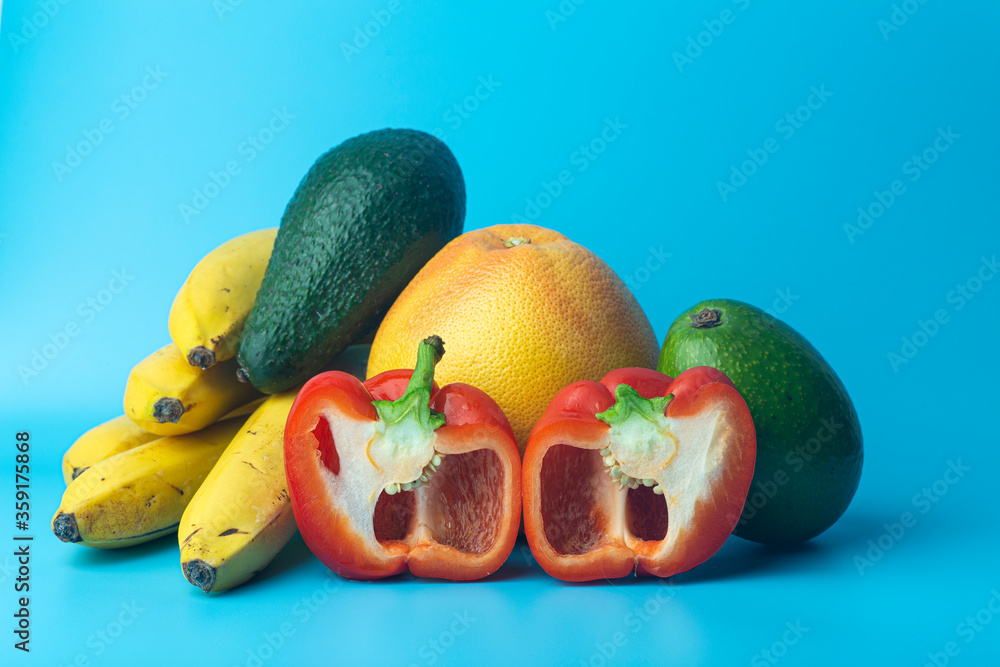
[
  {"x": 395, "y": 473},
  {"x": 638, "y": 473}
]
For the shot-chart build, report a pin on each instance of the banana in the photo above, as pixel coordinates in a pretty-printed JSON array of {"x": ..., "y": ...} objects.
[
  {"x": 209, "y": 311},
  {"x": 116, "y": 436},
  {"x": 104, "y": 440},
  {"x": 168, "y": 396},
  {"x": 241, "y": 516},
  {"x": 139, "y": 495}
]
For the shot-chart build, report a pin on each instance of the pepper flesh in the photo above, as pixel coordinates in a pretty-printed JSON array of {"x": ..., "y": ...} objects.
[
  {"x": 350, "y": 470},
  {"x": 637, "y": 473}
]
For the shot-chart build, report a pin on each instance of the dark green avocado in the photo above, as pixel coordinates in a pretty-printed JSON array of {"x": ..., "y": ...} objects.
[
  {"x": 368, "y": 215},
  {"x": 809, "y": 447}
]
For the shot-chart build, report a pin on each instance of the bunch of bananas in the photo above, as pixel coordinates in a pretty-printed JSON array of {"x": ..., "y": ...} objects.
[{"x": 185, "y": 458}]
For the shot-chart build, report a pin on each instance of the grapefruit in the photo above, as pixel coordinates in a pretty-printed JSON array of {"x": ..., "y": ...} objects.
[{"x": 523, "y": 312}]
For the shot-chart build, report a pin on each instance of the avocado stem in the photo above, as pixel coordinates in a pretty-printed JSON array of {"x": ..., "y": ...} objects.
[{"x": 706, "y": 318}]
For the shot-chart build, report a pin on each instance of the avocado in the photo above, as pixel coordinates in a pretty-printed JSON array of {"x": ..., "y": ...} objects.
[
  {"x": 368, "y": 215},
  {"x": 809, "y": 448}
]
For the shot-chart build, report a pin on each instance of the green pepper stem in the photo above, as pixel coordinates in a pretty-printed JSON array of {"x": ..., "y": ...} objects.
[
  {"x": 628, "y": 402},
  {"x": 415, "y": 401},
  {"x": 429, "y": 353}
]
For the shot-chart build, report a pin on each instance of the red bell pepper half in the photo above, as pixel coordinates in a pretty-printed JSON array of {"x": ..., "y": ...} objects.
[
  {"x": 637, "y": 473},
  {"x": 394, "y": 473}
]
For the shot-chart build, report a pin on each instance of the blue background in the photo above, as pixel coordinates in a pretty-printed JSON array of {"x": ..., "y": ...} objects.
[{"x": 779, "y": 241}]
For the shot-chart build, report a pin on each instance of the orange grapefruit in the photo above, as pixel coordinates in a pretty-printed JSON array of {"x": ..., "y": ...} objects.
[{"x": 523, "y": 312}]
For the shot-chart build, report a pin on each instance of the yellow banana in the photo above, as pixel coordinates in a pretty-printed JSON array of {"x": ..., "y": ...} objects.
[
  {"x": 241, "y": 516},
  {"x": 139, "y": 495},
  {"x": 104, "y": 440},
  {"x": 116, "y": 436},
  {"x": 168, "y": 396},
  {"x": 213, "y": 304}
]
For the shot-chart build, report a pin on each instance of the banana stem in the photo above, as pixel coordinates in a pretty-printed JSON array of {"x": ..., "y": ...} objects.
[
  {"x": 168, "y": 410},
  {"x": 199, "y": 573},
  {"x": 65, "y": 528},
  {"x": 202, "y": 357}
]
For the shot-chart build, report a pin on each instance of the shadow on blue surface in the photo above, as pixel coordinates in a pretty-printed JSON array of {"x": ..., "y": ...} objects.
[
  {"x": 91, "y": 558},
  {"x": 294, "y": 555},
  {"x": 737, "y": 559},
  {"x": 827, "y": 552},
  {"x": 740, "y": 558}
]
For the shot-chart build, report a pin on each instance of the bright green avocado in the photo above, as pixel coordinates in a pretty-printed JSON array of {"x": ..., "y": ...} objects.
[
  {"x": 809, "y": 450},
  {"x": 364, "y": 220}
]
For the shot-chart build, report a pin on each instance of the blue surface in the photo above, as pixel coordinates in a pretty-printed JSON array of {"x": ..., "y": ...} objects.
[{"x": 218, "y": 83}]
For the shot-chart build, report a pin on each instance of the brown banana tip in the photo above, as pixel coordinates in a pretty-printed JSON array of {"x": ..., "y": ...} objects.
[
  {"x": 199, "y": 573},
  {"x": 202, "y": 357},
  {"x": 242, "y": 375},
  {"x": 65, "y": 528},
  {"x": 168, "y": 410}
]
